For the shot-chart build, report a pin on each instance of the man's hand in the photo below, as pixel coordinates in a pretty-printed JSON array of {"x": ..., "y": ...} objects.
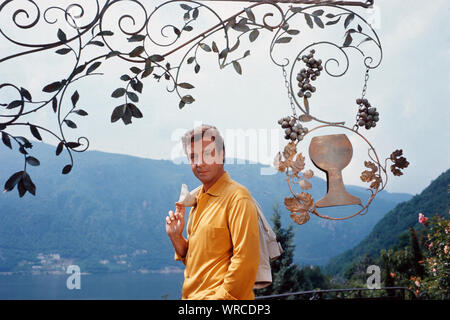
[
  {"x": 175, "y": 221},
  {"x": 174, "y": 228}
]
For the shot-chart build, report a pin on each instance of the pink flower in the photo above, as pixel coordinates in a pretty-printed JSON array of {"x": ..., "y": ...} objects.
[
  {"x": 430, "y": 245},
  {"x": 422, "y": 219}
]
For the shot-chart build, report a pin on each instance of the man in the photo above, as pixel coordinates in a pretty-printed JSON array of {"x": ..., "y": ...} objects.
[{"x": 221, "y": 252}]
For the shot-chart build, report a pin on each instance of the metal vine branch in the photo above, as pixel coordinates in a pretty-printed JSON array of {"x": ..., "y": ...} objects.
[{"x": 149, "y": 58}]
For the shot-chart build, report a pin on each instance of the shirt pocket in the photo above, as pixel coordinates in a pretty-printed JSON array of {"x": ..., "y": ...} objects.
[{"x": 217, "y": 240}]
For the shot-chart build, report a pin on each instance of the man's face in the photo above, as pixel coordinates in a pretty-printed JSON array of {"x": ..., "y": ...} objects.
[{"x": 206, "y": 162}]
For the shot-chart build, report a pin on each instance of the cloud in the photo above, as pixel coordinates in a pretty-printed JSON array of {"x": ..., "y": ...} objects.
[{"x": 403, "y": 23}]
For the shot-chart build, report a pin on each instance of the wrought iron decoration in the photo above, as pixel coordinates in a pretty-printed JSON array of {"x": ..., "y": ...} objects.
[{"x": 149, "y": 57}]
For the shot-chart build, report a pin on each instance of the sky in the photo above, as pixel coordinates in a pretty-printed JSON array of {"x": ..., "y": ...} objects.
[{"x": 410, "y": 88}]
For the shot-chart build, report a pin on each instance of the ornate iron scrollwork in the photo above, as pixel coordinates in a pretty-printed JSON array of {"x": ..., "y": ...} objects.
[{"x": 147, "y": 47}]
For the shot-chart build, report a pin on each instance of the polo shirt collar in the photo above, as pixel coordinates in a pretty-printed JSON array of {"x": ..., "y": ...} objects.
[{"x": 217, "y": 187}]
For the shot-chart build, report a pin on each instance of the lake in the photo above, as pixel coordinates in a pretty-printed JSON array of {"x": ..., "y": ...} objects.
[{"x": 113, "y": 286}]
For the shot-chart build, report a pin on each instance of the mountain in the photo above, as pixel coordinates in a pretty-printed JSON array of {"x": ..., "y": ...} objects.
[
  {"x": 108, "y": 213},
  {"x": 433, "y": 200}
]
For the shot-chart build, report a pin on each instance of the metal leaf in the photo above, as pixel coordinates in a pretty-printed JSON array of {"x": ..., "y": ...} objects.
[
  {"x": 250, "y": 14},
  {"x": 63, "y": 51},
  {"x": 278, "y": 163},
  {"x": 253, "y": 35},
  {"x": 237, "y": 67},
  {"x": 147, "y": 72},
  {"x": 319, "y": 22},
  {"x": 306, "y": 103},
  {"x": 349, "y": 19},
  {"x": 283, "y": 40},
  {"x": 187, "y": 99},
  {"x": 136, "y": 52},
  {"x": 72, "y": 145},
  {"x": 11, "y": 183},
  {"x": 79, "y": 69},
  {"x": 127, "y": 115},
  {"x": 298, "y": 165},
  {"x": 185, "y": 6},
  {"x": 329, "y": 23},
  {"x": 133, "y": 96},
  {"x": 205, "y": 47},
  {"x": 223, "y": 54},
  {"x": 241, "y": 27},
  {"x": 105, "y": 33},
  {"x": 67, "y": 169},
  {"x": 236, "y": 45},
  {"x": 117, "y": 113},
  {"x": 94, "y": 66},
  {"x": 293, "y": 32},
  {"x": 293, "y": 205},
  {"x": 135, "y": 70},
  {"x": 305, "y": 118},
  {"x": 112, "y": 54},
  {"x": 195, "y": 13},
  {"x": 35, "y": 132},
  {"x": 289, "y": 151},
  {"x": 80, "y": 112},
  {"x": 301, "y": 218},
  {"x": 348, "y": 40},
  {"x": 309, "y": 21},
  {"x": 25, "y": 141},
  {"x": 32, "y": 161},
  {"x": 118, "y": 92},
  {"x": 61, "y": 36},
  {"x": 137, "y": 85},
  {"x": 21, "y": 188},
  {"x": 96, "y": 43},
  {"x": 54, "y": 86},
  {"x": 14, "y": 104},
  {"x": 54, "y": 104},
  {"x": 136, "y": 38},
  {"x": 6, "y": 140},
  {"x": 135, "y": 112},
  {"x": 306, "y": 200},
  {"x": 75, "y": 97},
  {"x": 318, "y": 13},
  {"x": 70, "y": 123},
  {"x": 25, "y": 93},
  {"x": 185, "y": 85},
  {"x": 156, "y": 58},
  {"x": 214, "y": 47},
  {"x": 59, "y": 148}
]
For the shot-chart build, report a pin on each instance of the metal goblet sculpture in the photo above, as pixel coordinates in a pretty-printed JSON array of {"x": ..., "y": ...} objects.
[{"x": 332, "y": 153}]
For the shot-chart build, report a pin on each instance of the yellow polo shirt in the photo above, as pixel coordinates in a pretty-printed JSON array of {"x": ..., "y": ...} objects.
[{"x": 223, "y": 244}]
